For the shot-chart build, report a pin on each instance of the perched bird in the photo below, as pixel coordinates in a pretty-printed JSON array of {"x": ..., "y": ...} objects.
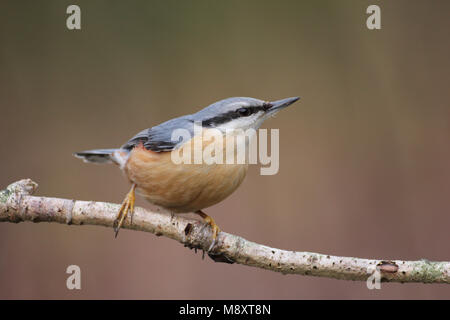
[{"x": 146, "y": 159}]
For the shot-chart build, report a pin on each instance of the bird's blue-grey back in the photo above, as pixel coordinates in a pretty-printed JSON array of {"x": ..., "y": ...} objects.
[{"x": 159, "y": 138}]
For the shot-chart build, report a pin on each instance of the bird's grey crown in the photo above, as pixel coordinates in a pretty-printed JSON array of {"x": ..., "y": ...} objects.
[
  {"x": 226, "y": 105},
  {"x": 159, "y": 138}
]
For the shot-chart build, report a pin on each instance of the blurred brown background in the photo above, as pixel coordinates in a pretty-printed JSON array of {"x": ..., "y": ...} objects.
[{"x": 364, "y": 156}]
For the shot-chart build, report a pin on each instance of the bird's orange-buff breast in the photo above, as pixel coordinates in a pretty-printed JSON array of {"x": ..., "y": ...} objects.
[{"x": 181, "y": 187}]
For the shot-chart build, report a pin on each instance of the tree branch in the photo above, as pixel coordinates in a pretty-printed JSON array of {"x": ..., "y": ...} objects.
[{"x": 17, "y": 204}]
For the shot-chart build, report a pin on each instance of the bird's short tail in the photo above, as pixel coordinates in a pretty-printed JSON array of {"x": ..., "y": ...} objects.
[{"x": 96, "y": 156}]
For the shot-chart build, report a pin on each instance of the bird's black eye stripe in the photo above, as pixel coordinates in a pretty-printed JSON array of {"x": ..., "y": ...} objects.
[
  {"x": 230, "y": 115},
  {"x": 245, "y": 112}
]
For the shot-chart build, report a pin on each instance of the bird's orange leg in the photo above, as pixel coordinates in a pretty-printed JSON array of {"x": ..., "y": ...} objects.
[
  {"x": 212, "y": 223},
  {"x": 127, "y": 206}
]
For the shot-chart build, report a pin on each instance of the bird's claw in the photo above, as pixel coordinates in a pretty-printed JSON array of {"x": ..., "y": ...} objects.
[
  {"x": 127, "y": 206},
  {"x": 215, "y": 228},
  {"x": 213, "y": 243}
]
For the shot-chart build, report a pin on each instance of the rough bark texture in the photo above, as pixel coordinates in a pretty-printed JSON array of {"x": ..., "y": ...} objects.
[{"x": 17, "y": 204}]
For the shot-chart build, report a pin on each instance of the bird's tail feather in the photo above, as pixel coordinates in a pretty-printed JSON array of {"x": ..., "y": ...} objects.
[{"x": 96, "y": 156}]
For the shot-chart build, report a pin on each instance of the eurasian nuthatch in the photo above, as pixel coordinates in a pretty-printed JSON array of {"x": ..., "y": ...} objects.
[{"x": 146, "y": 159}]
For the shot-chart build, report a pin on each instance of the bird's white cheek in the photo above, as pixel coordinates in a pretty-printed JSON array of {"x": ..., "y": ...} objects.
[{"x": 243, "y": 123}]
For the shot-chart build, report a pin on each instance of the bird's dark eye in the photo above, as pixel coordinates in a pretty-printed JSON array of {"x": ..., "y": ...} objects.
[{"x": 244, "y": 112}]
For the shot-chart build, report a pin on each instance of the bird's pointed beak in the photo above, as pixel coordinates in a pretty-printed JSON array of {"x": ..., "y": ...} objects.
[{"x": 283, "y": 103}]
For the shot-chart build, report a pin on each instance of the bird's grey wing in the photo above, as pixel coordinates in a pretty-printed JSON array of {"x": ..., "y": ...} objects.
[{"x": 159, "y": 138}]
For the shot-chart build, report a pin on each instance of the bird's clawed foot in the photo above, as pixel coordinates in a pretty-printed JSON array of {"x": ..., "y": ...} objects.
[
  {"x": 215, "y": 228},
  {"x": 127, "y": 206}
]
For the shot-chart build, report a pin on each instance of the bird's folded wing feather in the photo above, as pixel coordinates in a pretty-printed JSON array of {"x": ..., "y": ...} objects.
[{"x": 159, "y": 138}]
